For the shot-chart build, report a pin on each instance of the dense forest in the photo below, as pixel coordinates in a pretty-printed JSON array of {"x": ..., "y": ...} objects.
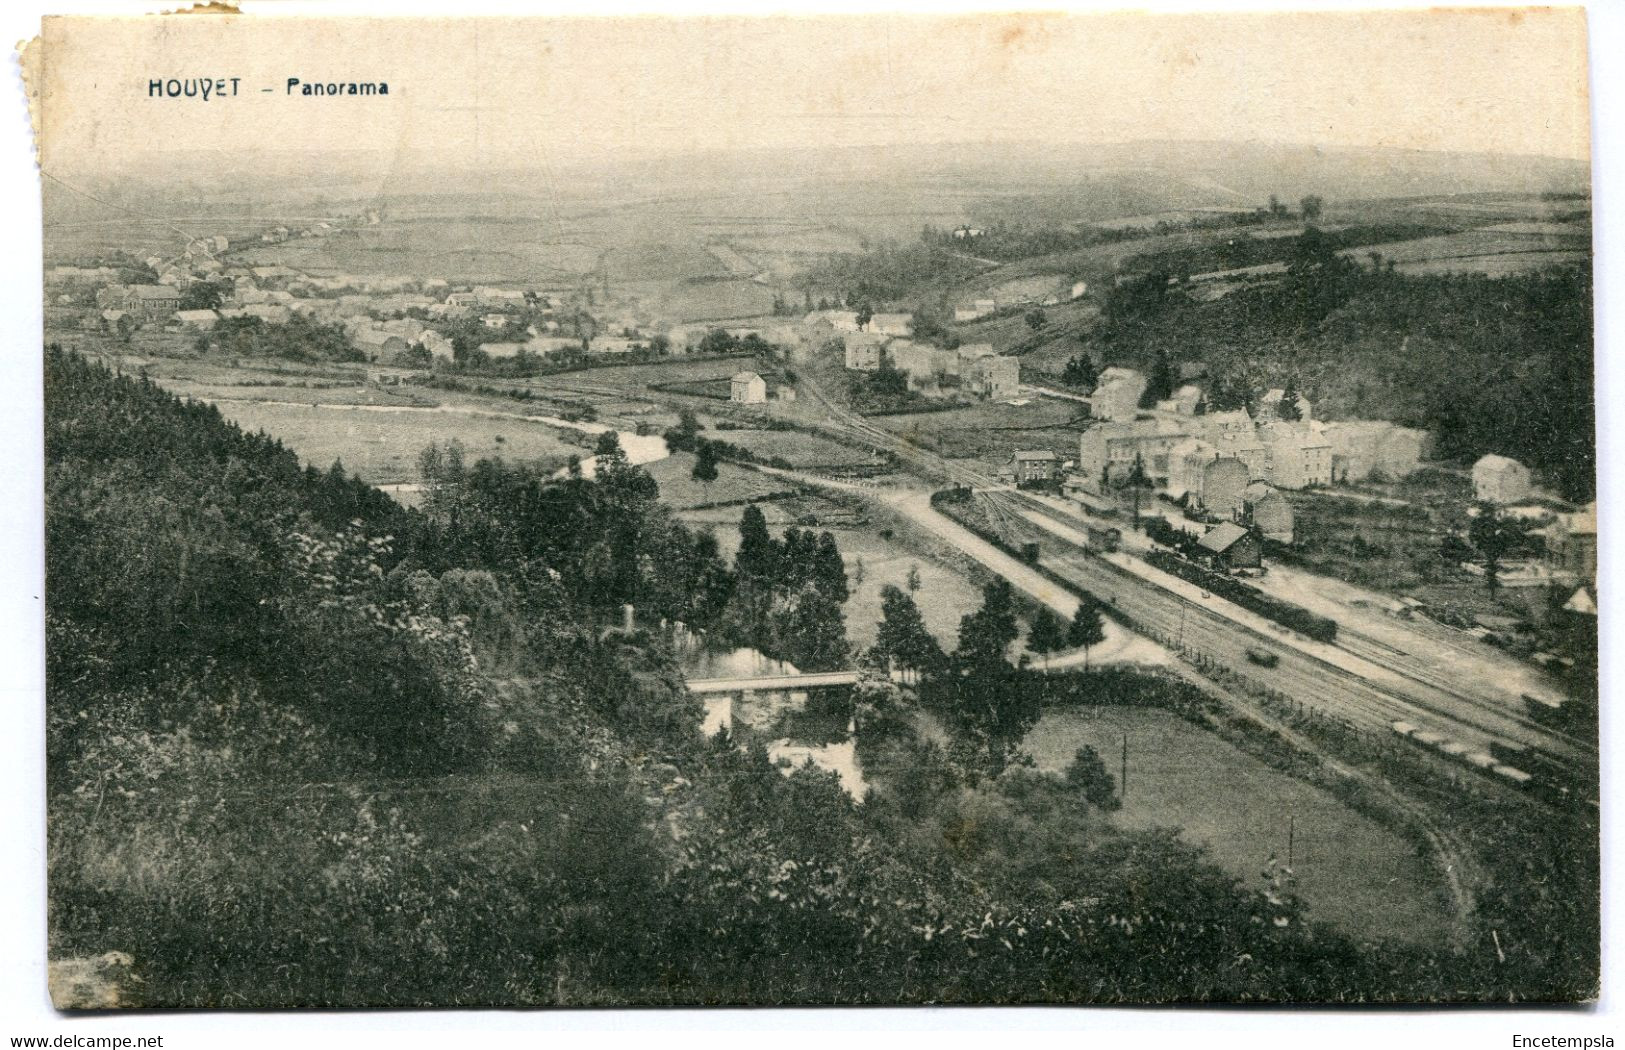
[{"x": 308, "y": 747}]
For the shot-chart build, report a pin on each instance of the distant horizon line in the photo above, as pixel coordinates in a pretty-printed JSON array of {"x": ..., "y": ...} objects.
[{"x": 596, "y": 156}]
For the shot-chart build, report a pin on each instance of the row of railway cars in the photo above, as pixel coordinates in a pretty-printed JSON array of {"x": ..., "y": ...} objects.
[{"x": 1524, "y": 768}]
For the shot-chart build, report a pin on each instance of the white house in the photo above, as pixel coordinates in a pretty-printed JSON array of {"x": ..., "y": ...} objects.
[
  {"x": 1117, "y": 394},
  {"x": 1299, "y": 455},
  {"x": 439, "y": 346},
  {"x": 1184, "y": 401},
  {"x": 975, "y": 310},
  {"x": 1361, "y": 448},
  {"x": 1269, "y": 511},
  {"x": 863, "y": 351},
  {"x": 1497, "y": 479},
  {"x": 839, "y": 320},
  {"x": 377, "y": 345},
  {"x": 994, "y": 377},
  {"x": 747, "y": 388},
  {"x": 901, "y": 325}
]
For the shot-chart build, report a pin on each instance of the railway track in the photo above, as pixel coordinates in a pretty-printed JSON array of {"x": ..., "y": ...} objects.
[
  {"x": 1315, "y": 683},
  {"x": 1436, "y": 695}
]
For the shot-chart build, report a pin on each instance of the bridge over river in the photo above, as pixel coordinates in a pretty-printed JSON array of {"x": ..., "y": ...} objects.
[{"x": 772, "y": 683}]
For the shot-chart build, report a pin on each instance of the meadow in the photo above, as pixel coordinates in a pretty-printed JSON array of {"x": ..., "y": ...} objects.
[
  {"x": 734, "y": 484},
  {"x": 382, "y": 447},
  {"x": 992, "y": 432},
  {"x": 1350, "y": 871},
  {"x": 799, "y": 449}
]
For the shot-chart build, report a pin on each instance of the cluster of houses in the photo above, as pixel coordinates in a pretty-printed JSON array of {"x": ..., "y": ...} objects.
[
  {"x": 388, "y": 315},
  {"x": 885, "y": 340},
  {"x": 1226, "y": 465},
  {"x": 1235, "y": 466},
  {"x": 1229, "y": 466},
  {"x": 383, "y": 315},
  {"x": 976, "y": 309},
  {"x": 1212, "y": 457}
]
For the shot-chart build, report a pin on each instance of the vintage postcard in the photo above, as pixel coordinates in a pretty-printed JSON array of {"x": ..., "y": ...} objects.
[{"x": 1054, "y": 508}]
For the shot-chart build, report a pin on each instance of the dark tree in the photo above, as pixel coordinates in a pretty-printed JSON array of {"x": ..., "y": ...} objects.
[
  {"x": 1088, "y": 627},
  {"x": 985, "y": 635},
  {"x": 902, "y": 638},
  {"x": 705, "y": 463},
  {"x": 202, "y": 295},
  {"x": 1139, "y": 482},
  {"x": 608, "y": 446},
  {"x": 1493, "y": 535},
  {"x": 1088, "y": 774},
  {"x": 1160, "y": 380},
  {"x": 1290, "y": 408},
  {"x": 809, "y": 630},
  {"x": 757, "y": 557},
  {"x": 686, "y": 431},
  {"x": 829, "y": 570},
  {"x": 1080, "y": 372}
]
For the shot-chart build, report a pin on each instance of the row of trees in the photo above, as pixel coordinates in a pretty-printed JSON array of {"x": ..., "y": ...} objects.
[{"x": 788, "y": 595}]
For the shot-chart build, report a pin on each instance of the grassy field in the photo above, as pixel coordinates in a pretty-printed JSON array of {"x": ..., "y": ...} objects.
[
  {"x": 382, "y": 446},
  {"x": 797, "y": 448},
  {"x": 1495, "y": 265},
  {"x": 636, "y": 379},
  {"x": 1351, "y": 871},
  {"x": 992, "y": 432},
  {"x": 734, "y": 483}
]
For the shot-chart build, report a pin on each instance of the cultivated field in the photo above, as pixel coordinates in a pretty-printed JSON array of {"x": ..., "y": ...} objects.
[
  {"x": 799, "y": 449},
  {"x": 1462, "y": 250},
  {"x": 636, "y": 379},
  {"x": 709, "y": 300},
  {"x": 1149, "y": 222},
  {"x": 1351, "y": 871},
  {"x": 1496, "y": 265},
  {"x": 327, "y": 413},
  {"x": 992, "y": 432},
  {"x": 381, "y": 445}
]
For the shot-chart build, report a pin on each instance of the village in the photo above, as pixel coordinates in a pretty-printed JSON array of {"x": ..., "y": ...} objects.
[{"x": 1240, "y": 487}]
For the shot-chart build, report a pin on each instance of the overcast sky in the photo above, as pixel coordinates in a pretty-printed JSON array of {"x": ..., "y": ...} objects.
[{"x": 497, "y": 89}]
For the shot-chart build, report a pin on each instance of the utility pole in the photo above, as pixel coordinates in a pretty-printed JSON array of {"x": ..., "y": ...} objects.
[{"x": 1122, "y": 782}]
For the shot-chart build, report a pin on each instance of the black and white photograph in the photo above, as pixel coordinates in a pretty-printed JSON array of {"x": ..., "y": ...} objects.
[{"x": 1074, "y": 508}]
